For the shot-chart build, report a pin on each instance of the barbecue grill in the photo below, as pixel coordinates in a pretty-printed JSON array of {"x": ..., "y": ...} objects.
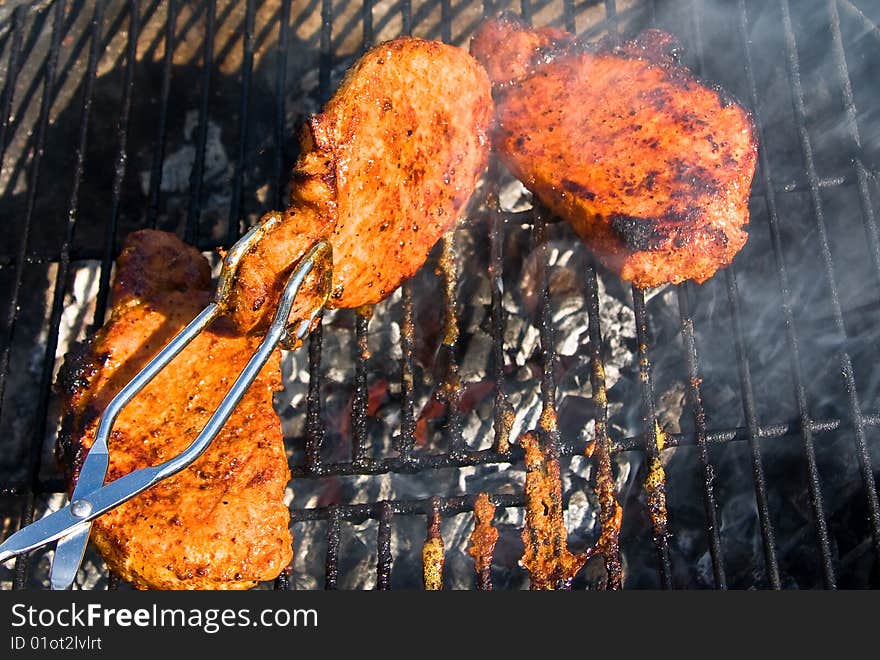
[{"x": 736, "y": 420}]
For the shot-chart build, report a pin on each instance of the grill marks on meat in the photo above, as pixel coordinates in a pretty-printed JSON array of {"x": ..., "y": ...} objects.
[
  {"x": 385, "y": 169},
  {"x": 222, "y": 522},
  {"x": 650, "y": 166}
]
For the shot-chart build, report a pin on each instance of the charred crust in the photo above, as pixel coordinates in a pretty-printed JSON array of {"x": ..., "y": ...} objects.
[
  {"x": 718, "y": 236},
  {"x": 653, "y": 234},
  {"x": 74, "y": 378},
  {"x": 576, "y": 188},
  {"x": 79, "y": 367},
  {"x": 693, "y": 177},
  {"x": 637, "y": 233}
]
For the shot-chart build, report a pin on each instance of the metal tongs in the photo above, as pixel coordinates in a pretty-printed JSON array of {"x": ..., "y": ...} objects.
[{"x": 70, "y": 525}]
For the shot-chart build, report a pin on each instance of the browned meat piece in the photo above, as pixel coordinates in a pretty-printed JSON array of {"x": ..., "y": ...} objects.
[
  {"x": 650, "y": 166},
  {"x": 222, "y": 522},
  {"x": 385, "y": 169}
]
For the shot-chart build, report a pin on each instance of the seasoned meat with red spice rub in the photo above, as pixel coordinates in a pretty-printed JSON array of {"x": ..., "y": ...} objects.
[
  {"x": 650, "y": 166},
  {"x": 386, "y": 168},
  {"x": 222, "y": 522}
]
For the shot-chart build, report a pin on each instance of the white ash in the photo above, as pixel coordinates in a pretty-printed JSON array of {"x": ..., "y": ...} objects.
[
  {"x": 522, "y": 386},
  {"x": 178, "y": 164},
  {"x": 513, "y": 197}
]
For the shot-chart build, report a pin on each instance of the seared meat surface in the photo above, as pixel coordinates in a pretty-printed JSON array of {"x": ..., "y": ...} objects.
[
  {"x": 222, "y": 522},
  {"x": 650, "y": 166},
  {"x": 384, "y": 171}
]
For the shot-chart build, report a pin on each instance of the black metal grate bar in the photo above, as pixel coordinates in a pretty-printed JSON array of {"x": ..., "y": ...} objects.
[
  {"x": 655, "y": 481},
  {"x": 237, "y": 213},
  {"x": 525, "y": 11},
  {"x": 547, "y": 426},
  {"x": 450, "y": 389},
  {"x": 816, "y": 502},
  {"x": 12, "y": 67},
  {"x": 197, "y": 174},
  {"x": 367, "y": 20},
  {"x": 279, "y": 180},
  {"x": 384, "y": 559},
  {"x": 385, "y": 510},
  {"x": 768, "y": 536},
  {"x": 282, "y": 583},
  {"x": 42, "y": 123},
  {"x": 741, "y": 434},
  {"x": 657, "y": 508},
  {"x": 503, "y": 412},
  {"x": 314, "y": 426},
  {"x": 568, "y": 16},
  {"x": 118, "y": 171},
  {"x": 113, "y": 582},
  {"x": 331, "y": 558},
  {"x": 692, "y": 361},
  {"x": 849, "y": 108},
  {"x": 359, "y": 401},
  {"x": 819, "y": 216},
  {"x": 566, "y": 448},
  {"x": 406, "y": 16},
  {"x": 30, "y": 87},
  {"x": 445, "y": 20},
  {"x": 63, "y": 270},
  {"x": 602, "y": 449},
  {"x": 548, "y": 431},
  {"x": 405, "y": 441},
  {"x": 326, "y": 63},
  {"x": 22, "y": 561},
  {"x": 162, "y": 125},
  {"x": 611, "y": 16}
]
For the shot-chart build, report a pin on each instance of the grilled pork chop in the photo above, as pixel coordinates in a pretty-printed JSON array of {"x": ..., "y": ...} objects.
[
  {"x": 222, "y": 522},
  {"x": 650, "y": 166},
  {"x": 385, "y": 169}
]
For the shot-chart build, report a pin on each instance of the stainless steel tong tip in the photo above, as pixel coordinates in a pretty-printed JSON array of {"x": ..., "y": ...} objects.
[{"x": 90, "y": 499}]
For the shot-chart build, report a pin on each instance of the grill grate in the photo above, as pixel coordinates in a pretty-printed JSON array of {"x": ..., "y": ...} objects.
[{"x": 58, "y": 51}]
